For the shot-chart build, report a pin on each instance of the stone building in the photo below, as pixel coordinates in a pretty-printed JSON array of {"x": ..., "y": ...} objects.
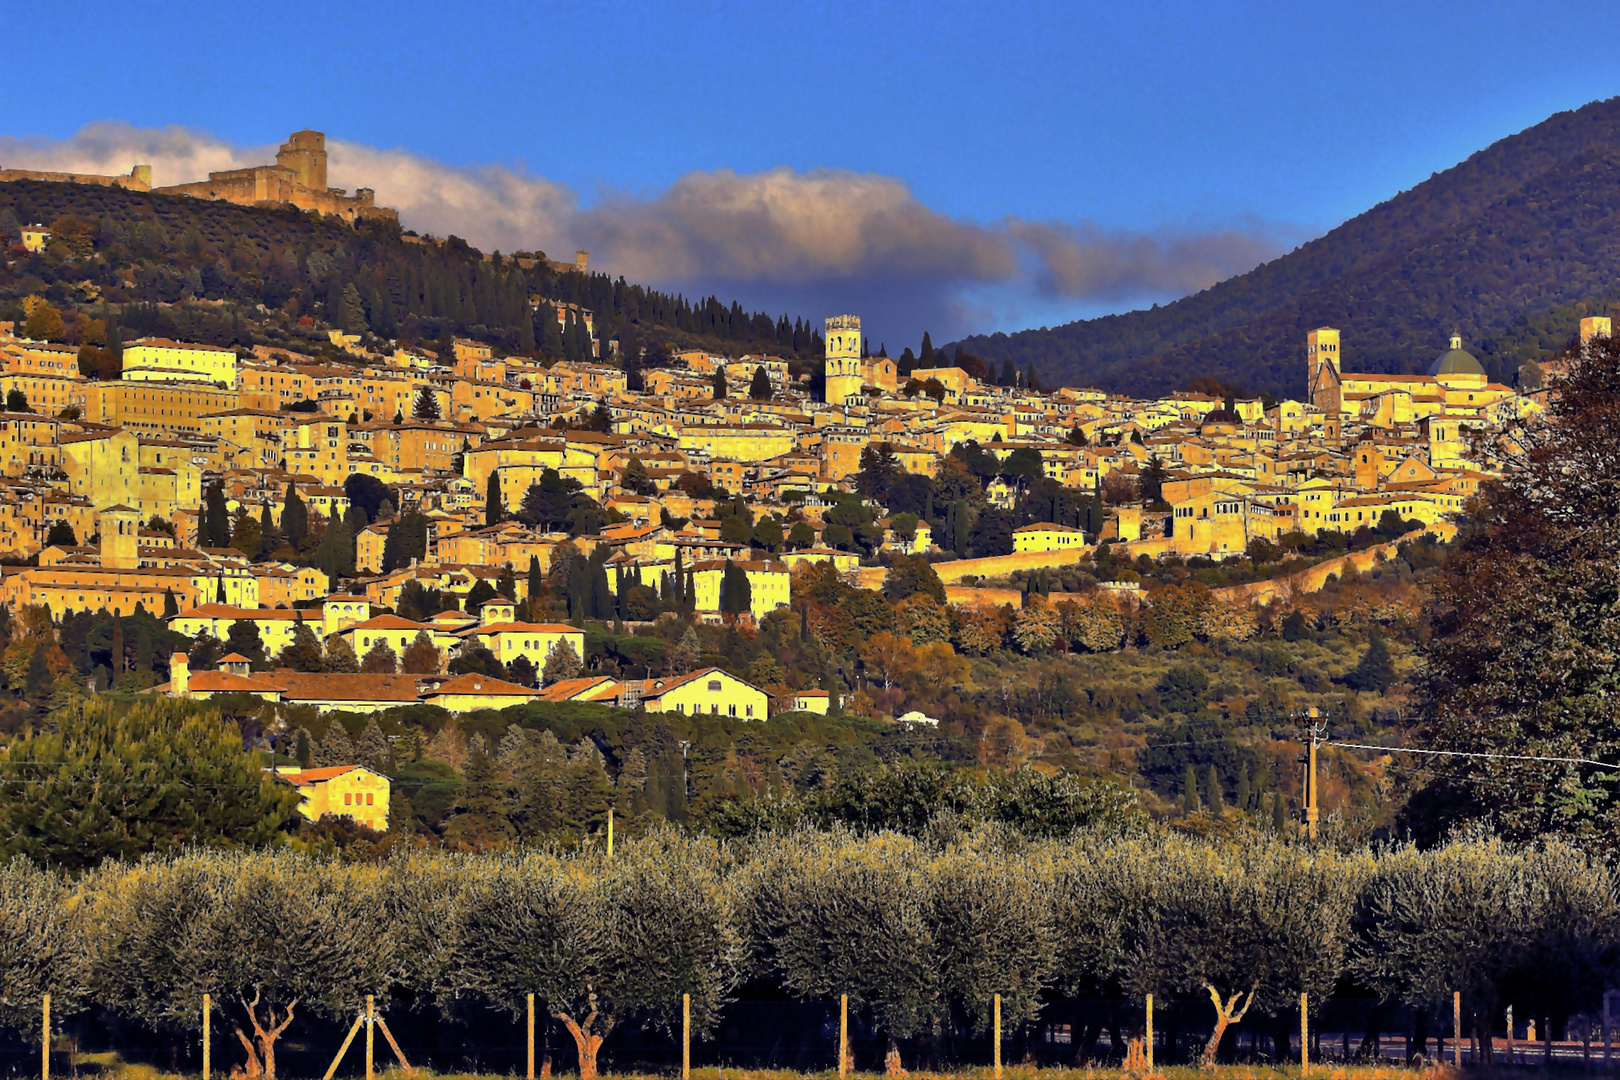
[{"x": 298, "y": 177}]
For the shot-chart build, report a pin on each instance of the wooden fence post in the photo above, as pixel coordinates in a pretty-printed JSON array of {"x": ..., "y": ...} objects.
[
  {"x": 531, "y": 1037},
  {"x": 610, "y": 832},
  {"x": 371, "y": 1033},
  {"x": 686, "y": 1036},
  {"x": 843, "y": 1035},
  {"x": 1456, "y": 1029},
  {"x": 998, "y": 1036},
  {"x": 1304, "y": 1034},
  {"x": 208, "y": 1057},
  {"x": 1147, "y": 1042},
  {"x": 45, "y": 1039},
  {"x": 331, "y": 1070}
]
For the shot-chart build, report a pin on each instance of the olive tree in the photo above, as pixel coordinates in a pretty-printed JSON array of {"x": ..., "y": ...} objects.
[
  {"x": 1480, "y": 918},
  {"x": 600, "y": 940},
  {"x": 42, "y": 946},
  {"x": 829, "y": 914},
  {"x": 1251, "y": 921},
  {"x": 993, "y": 928},
  {"x": 267, "y": 935}
]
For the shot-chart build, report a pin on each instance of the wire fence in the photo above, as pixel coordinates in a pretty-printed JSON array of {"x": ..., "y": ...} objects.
[{"x": 804, "y": 1036}]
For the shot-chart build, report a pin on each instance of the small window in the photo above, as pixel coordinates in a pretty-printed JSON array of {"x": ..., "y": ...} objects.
[
  {"x": 714, "y": 684},
  {"x": 370, "y": 799},
  {"x": 347, "y": 798}
]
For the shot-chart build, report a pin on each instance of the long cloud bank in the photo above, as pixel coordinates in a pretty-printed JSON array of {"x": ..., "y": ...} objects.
[{"x": 807, "y": 242}]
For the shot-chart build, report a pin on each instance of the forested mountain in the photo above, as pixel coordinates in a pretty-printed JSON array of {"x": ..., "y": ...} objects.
[
  {"x": 1509, "y": 245},
  {"x": 258, "y": 274}
]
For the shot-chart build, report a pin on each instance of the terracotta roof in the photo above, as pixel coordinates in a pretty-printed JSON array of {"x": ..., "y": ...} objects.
[
  {"x": 529, "y": 628},
  {"x": 573, "y": 689},
  {"x": 344, "y": 686},
  {"x": 481, "y": 684},
  {"x": 224, "y": 682},
  {"x": 387, "y": 622},
  {"x": 235, "y": 658},
  {"x": 225, "y": 611}
]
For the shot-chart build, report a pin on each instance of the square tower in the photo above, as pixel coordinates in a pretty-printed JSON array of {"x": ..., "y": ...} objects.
[
  {"x": 1322, "y": 368},
  {"x": 843, "y": 366},
  {"x": 120, "y": 537}
]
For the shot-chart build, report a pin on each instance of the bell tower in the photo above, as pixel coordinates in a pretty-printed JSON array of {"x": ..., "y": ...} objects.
[{"x": 843, "y": 369}]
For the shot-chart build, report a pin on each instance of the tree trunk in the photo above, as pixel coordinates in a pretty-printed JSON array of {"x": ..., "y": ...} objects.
[
  {"x": 587, "y": 1041},
  {"x": 261, "y": 1049},
  {"x": 1225, "y": 1016},
  {"x": 891, "y": 1060}
]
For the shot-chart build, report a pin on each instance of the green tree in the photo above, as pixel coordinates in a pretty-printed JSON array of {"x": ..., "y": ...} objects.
[
  {"x": 45, "y": 946},
  {"x": 294, "y": 517},
  {"x": 602, "y": 941},
  {"x": 112, "y": 780},
  {"x": 759, "y": 388},
  {"x": 494, "y": 508},
  {"x": 427, "y": 404},
  {"x": 562, "y": 662},
  {"x": 825, "y": 909},
  {"x": 171, "y": 930},
  {"x": 380, "y": 660},
  {"x": 719, "y": 383},
  {"x": 243, "y": 639},
  {"x": 1375, "y": 673},
  {"x": 736, "y": 594},
  {"x": 303, "y": 652}
]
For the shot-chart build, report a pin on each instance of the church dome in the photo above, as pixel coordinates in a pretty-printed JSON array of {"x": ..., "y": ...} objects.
[{"x": 1457, "y": 361}]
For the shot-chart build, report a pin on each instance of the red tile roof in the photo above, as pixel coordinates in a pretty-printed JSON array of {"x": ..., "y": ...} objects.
[{"x": 481, "y": 684}]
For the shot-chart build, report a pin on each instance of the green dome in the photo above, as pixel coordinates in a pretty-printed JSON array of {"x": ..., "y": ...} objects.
[{"x": 1457, "y": 361}]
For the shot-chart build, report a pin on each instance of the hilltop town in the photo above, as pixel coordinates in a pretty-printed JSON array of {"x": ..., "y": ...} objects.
[{"x": 191, "y": 484}]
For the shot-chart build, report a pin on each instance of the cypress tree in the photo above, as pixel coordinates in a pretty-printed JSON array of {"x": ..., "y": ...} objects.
[
  {"x": 294, "y": 517},
  {"x": 494, "y": 509},
  {"x": 1189, "y": 792},
  {"x": 537, "y": 581},
  {"x": 1279, "y": 815},
  {"x": 1243, "y": 793},
  {"x": 1212, "y": 784},
  {"x": 925, "y": 359}
]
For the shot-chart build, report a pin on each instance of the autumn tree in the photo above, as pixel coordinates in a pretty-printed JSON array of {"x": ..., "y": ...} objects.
[
  {"x": 1518, "y": 659},
  {"x": 380, "y": 659},
  {"x": 421, "y": 656}
]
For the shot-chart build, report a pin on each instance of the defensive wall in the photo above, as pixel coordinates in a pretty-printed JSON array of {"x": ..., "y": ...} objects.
[{"x": 139, "y": 178}]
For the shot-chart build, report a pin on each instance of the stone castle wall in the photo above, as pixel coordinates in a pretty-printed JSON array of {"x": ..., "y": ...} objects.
[{"x": 139, "y": 178}]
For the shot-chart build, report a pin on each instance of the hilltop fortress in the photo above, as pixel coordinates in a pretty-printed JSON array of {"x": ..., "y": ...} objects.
[{"x": 298, "y": 178}]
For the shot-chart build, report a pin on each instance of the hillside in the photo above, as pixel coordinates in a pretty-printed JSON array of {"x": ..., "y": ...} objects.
[
  {"x": 240, "y": 275},
  {"x": 1489, "y": 247}
]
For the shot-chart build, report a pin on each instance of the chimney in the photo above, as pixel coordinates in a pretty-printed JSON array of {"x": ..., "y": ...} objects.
[{"x": 179, "y": 675}]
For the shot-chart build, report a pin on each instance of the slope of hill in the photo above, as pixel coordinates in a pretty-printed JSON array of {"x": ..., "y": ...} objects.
[
  {"x": 260, "y": 274},
  {"x": 1528, "y": 224}
]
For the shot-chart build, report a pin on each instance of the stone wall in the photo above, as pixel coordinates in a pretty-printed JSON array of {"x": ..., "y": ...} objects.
[{"x": 139, "y": 178}]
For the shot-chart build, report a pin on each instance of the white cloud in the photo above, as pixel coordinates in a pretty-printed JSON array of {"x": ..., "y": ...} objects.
[{"x": 818, "y": 236}]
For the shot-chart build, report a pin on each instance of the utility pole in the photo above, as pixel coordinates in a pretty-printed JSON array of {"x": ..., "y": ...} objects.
[{"x": 1314, "y": 730}]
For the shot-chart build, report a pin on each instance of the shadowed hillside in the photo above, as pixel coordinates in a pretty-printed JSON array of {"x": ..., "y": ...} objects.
[{"x": 1529, "y": 224}]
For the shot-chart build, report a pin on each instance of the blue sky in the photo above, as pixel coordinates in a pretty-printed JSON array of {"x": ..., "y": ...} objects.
[{"x": 992, "y": 165}]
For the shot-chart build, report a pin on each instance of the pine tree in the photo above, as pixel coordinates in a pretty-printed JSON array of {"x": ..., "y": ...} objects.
[
  {"x": 373, "y": 750},
  {"x": 561, "y": 663},
  {"x": 427, "y": 405},
  {"x": 380, "y": 660},
  {"x": 336, "y": 748},
  {"x": 421, "y": 657},
  {"x": 340, "y": 655}
]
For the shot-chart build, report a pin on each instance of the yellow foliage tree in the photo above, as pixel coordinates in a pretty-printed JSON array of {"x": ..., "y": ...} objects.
[{"x": 1036, "y": 626}]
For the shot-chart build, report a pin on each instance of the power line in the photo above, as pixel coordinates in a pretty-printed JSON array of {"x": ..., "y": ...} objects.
[{"x": 1475, "y": 754}]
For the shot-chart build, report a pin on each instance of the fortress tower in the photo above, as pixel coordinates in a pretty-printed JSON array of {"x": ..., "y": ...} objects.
[
  {"x": 304, "y": 153},
  {"x": 844, "y": 369}
]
